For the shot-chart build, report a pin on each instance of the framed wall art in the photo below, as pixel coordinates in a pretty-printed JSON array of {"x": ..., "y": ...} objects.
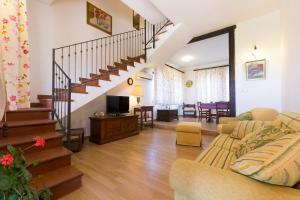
[
  {"x": 99, "y": 18},
  {"x": 256, "y": 70},
  {"x": 136, "y": 20}
]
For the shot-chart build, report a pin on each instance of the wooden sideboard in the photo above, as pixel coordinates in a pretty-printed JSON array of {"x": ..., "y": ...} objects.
[
  {"x": 108, "y": 128},
  {"x": 167, "y": 115}
]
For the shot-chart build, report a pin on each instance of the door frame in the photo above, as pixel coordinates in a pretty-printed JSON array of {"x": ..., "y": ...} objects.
[{"x": 231, "y": 39}]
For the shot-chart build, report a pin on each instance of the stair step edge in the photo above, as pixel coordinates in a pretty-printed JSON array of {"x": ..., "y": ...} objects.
[
  {"x": 51, "y": 179},
  {"x": 48, "y": 154},
  {"x": 12, "y": 124},
  {"x": 18, "y": 140}
]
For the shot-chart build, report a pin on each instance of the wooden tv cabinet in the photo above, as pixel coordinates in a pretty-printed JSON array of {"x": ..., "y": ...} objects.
[{"x": 109, "y": 128}]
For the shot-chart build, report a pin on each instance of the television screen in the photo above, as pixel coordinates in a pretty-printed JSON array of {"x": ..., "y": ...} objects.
[{"x": 117, "y": 104}]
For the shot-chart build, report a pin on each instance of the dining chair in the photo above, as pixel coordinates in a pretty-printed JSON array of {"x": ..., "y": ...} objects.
[
  {"x": 203, "y": 109},
  {"x": 223, "y": 109}
]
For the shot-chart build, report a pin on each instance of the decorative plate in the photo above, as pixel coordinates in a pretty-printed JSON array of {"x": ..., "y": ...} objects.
[{"x": 189, "y": 84}]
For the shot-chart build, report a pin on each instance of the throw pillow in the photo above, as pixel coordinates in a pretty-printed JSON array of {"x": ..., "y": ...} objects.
[
  {"x": 277, "y": 162},
  {"x": 245, "y": 116},
  {"x": 260, "y": 137},
  {"x": 244, "y": 127}
]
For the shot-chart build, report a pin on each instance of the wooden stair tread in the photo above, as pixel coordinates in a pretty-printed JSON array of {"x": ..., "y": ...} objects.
[
  {"x": 56, "y": 177},
  {"x": 47, "y": 154},
  {"x": 30, "y": 122},
  {"x": 17, "y": 140},
  {"x": 43, "y": 96},
  {"x": 35, "y": 109}
]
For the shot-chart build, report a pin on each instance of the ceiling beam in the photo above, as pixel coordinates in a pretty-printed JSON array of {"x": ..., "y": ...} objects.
[{"x": 213, "y": 34}]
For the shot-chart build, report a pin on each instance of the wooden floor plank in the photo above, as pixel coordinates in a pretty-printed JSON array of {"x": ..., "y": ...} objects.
[{"x": 134, "y": 168}]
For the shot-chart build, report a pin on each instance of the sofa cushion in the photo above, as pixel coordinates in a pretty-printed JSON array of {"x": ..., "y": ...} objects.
[
  {"x": 220, "y": 152},
  {"x": 264, "y": 114},
  {"x": 245, "y": 116},
  {"x": 224, "y": 141},
  {"x": 277, "y": 162},
  {"x": 260, "y": 137},
  {"x": 290, "y": 120},
  {"x": 189, "y": 127},
  {"x": 244, "y": 127}
]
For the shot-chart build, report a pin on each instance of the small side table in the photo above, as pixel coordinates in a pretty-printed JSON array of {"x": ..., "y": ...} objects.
[
  {"x": 142, "y": 112},
  {"x": 167, "y": 115}
]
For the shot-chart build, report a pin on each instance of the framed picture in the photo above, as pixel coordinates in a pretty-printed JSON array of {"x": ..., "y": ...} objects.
[
  {"x": 99, "y": 18},
  {"x": 256, "y": 70},
  {"x": 136, "y": 20}
]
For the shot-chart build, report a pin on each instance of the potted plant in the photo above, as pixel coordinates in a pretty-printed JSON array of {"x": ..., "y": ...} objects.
[{"x": 15, "y": 177}]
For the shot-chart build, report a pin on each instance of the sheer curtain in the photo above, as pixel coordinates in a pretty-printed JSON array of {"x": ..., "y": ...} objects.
[
  {"x": 212, "y": 85},
  {"x": 168, "y": 86}
]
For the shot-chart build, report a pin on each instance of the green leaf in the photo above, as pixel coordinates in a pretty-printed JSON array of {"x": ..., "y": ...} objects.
[
  {"x": 26, "y": 174},
  {"x": 35, "y": 163},
  {"x": 12, "y": 150},
  {"x": 5, "y": 182},
  {"x": 12, "y": 197},
  {"x": 45, "y": 193}
]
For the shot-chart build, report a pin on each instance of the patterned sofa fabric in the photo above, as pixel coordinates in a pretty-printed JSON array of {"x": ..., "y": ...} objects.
[{"x": 221, "y": 152}]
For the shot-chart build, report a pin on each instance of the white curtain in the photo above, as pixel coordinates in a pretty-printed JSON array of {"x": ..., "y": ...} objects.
[
  {"x": 212, "y": 85},
  {"x": 168, "y": 86}
]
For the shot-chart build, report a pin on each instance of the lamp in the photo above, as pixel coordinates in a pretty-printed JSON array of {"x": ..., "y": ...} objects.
[
  {"x": 137, "y": 92},
  {"x": 255, "y": 52}
]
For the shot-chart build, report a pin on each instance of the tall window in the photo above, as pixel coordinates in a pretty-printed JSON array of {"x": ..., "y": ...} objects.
[
  {"x": 168, "y": 86},
  {"x": 212, "y": 85}
]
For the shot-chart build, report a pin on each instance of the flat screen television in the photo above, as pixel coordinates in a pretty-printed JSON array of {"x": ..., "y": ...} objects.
[{"x": 117, "y": 104}]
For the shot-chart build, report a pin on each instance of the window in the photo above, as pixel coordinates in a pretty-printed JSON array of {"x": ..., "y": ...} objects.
[
  {"x": 212, "y": 85},
  {"x": 168, "y": 86}
]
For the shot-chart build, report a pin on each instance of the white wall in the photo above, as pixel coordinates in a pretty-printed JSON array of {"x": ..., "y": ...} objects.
[
  {"x": 264, "y": 32},
  {"x": 80, "y": 118},
  {"x": 64, "y": 23},
  {"x": 146, "y": 9},
  {"x": 290, "y": 52}
]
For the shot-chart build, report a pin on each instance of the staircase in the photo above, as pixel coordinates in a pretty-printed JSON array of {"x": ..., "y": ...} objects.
[
  {"x": 54, "y": 169},
  {"x": 87, "y": 70}
]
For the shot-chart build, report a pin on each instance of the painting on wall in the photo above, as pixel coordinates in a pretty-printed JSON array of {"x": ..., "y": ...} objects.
[
  {"x": 99, "y": 19},
  {"x": 136, "y": 20},
  {"x": 256, "y": 70}
]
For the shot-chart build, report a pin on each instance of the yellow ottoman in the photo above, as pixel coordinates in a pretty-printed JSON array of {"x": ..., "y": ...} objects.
[{"x": 188, "y": 133}]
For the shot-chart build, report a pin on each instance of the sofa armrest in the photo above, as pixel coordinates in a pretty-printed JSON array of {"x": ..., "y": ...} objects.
[
  {"x": 197, "y": 181},
  {"x": 226, "y": 120},
  {"x": 226, "y": 128}
]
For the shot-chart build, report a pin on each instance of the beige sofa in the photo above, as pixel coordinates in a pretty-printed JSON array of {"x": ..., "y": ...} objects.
[
  {"x": 258, "y": 114},
  {"x": 209, "y": 177}
]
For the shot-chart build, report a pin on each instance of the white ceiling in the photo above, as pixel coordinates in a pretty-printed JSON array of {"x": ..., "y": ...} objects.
[
  {"x": 204, "y": 16},
  {"x": 205, "y": 52}
]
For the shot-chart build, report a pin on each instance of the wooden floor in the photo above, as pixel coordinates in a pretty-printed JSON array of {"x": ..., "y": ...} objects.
[{"x": 135, "y": 168}]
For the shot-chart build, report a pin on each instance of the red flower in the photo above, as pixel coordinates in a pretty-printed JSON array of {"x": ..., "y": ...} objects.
[
  {"x": 7, "y": 160},
  {"x": 39, "y": 141},
  {"x": 13, "y": 98},
  {"x": 25, "y": 51}
]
